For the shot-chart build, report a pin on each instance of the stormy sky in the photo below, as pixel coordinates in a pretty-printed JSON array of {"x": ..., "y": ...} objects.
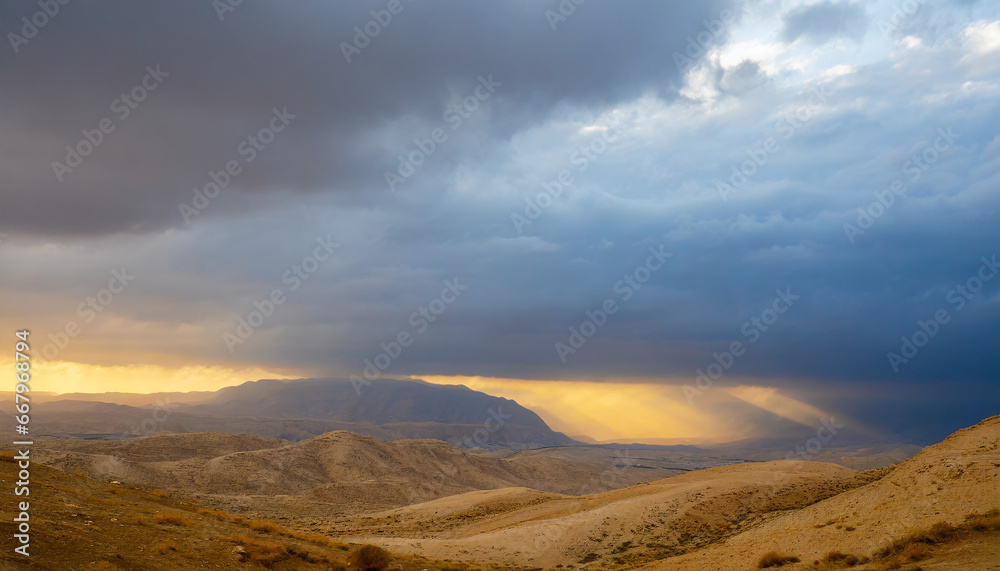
[{"x": 603, "y": 192}]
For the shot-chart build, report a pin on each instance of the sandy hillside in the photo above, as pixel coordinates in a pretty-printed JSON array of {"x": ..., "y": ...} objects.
[
  {"x": 946, "y": 481},
  {"x": 720, "y": 518},
  {"x": 338, "y": 473},
  {"x": 630, "y": 525}
]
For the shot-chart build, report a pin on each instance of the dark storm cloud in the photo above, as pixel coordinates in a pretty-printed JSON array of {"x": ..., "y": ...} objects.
[
  {"x": 225, "y": 77},
  {"x": 607, "y": 64},
  {"x": 825, "y": 21}
]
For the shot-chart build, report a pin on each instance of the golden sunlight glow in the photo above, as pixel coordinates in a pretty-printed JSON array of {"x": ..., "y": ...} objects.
[
  {"x": 70, "y": 377},
  {"x": 770, "y": 400},
  {"x": 606, "y": 411}
]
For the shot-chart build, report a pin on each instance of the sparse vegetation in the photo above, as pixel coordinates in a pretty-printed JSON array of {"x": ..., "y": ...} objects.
[
  {"x": 917, "y": 545},
  {"x": 370, "y": 558},
  {"x": 166, "y": 547},
  {"x": 989, "y": 521},
  {"x": 264, "y": 526},
  {"x": 173, "y": 519},
  {"x": 263, "y": 552},
  {"x": 843, "y": 559},
  {"x": 775, "y": 559}
]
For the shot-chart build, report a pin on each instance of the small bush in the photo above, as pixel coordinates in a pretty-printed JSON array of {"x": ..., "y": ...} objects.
[
  {"x": 775, "y": 559},
  {"x": 160, "y": 493},
  {"x": 166, "y": 547},
  {"x": 264, "y": 552},
  {"x": 841, "y": 558},
  {"x": 370, "y": 558},
  {"x": 173, "y": 519},
  {"x": 263, "y": 526}
]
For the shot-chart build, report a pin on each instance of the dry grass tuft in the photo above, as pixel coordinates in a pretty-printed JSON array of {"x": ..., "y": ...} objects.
[
  {"x": 264, "y": 526},
  {"x": 173, "y": 519},
  {"x": 917, "y": 545},
  {"x": 263, "y": 552},
  {"x": 989, "y": 521},
  {"x": 775, "y": 559},
  {"x": 370, "y": 558},
  {"x": 166, "y": 547},
  {"x": 843, "y": 559}
]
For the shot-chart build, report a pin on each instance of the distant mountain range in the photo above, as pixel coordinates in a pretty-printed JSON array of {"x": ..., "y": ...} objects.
[{"x": 386, "y": 409}]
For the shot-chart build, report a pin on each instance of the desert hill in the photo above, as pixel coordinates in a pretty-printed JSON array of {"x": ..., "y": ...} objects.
[
  {"x": 519, "y": 509},
  {"x": 82, "y": 524},
  {"x": 720, "y": 518},
  {"x": 944, "y": 482},
  {"x": 625, "y": 526},
  {"x": 338, "y": 472}
]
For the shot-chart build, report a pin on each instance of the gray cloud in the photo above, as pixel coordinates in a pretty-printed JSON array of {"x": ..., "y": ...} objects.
[
  {"x": 353, "y": 119},
  {"x": 655, "y": 184},
  {"x": 824, "y": 21}
]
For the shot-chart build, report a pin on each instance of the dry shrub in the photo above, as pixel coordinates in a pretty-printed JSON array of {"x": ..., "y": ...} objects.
[
  {"x": 166, "y": 547},
  {"x": 263, "y": 526},
  {"x": 160, "y": 493},
  {"x": 915, "y": 546},
  {"x": 370, "y": 558},
  {"x": 7, "y": 455},
  {"x": 989, "y": 521},
  {"x": 173, "y": 519},
  {"x": 313, "y": 537},
  {"x": 264, "y": 552},
  {"x": 775, "y": 559},
  {"x": 838, "y": 558}
]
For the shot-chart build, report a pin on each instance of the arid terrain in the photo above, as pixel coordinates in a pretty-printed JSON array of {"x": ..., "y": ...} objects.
[{"x": 433, "y": 504}]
